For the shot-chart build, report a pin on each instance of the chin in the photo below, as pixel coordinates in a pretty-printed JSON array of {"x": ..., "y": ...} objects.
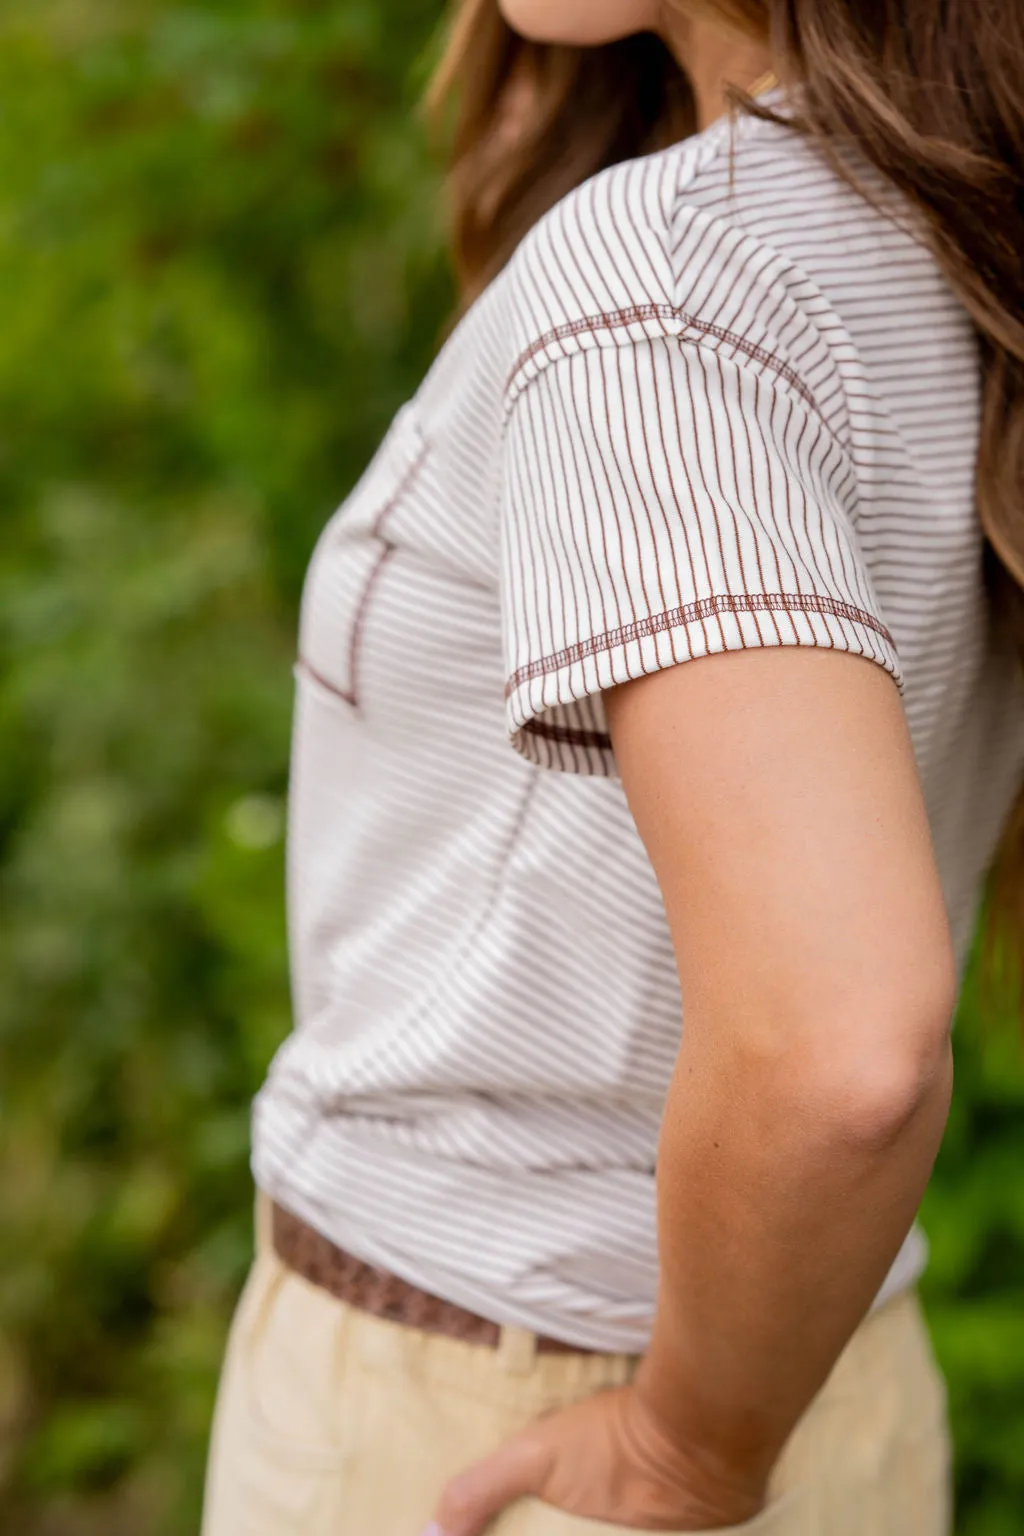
[{"x": 579, "y": 23}]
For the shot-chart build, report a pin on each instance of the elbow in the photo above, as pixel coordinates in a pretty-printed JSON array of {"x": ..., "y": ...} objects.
[
  {"x": 867, "y": 1083},
  {"x": 875, "y": 1104}
]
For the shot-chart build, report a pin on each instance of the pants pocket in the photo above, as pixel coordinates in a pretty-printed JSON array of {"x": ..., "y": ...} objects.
[
  {"x": 278, "y": 1452},
  {"x": 253, "y": 1491},
  {"x": 532, "y": 1517}
]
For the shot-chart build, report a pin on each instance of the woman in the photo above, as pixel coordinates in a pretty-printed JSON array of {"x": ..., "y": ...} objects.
[{"x": 713, "y": 504}]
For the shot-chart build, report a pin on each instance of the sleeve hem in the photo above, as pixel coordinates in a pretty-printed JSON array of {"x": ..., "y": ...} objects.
[{"x": 724, "y": 622}]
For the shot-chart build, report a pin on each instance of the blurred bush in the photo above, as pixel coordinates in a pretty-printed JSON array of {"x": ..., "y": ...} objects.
[
  {"x": 974, "y": 1288},
  {"x": 219, "y": 275}
]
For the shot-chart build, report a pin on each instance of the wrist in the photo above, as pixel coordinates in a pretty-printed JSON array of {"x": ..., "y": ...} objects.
[{"x": 728, "y": 1477}]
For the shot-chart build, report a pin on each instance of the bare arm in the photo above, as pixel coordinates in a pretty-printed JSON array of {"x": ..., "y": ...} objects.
[{"x": 777, "y": 795}]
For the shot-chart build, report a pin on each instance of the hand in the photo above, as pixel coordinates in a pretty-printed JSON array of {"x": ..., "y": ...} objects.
[{"x": 604, "y": 1458}]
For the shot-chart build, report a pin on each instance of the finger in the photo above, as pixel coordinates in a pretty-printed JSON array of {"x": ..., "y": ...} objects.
[{"x": 472, "y": 1499}]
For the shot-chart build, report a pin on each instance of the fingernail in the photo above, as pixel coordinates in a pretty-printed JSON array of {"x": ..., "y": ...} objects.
[{"x": 433, "y": 1529}]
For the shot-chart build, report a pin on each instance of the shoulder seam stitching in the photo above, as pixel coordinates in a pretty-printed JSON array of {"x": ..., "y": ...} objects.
[{"x": 637, "y": 314}]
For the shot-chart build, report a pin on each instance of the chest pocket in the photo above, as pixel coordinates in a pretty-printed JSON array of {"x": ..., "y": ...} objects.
[{"x": 351, "y": 560}]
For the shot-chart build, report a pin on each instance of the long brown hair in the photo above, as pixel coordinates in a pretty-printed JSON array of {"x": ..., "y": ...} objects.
[{"x": 931, "y": 92}]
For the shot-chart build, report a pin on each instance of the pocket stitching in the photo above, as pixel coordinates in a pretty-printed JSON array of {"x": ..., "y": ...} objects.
[
  {"x": 348, "y": 691},
  {"x": 762, "y": 1524},
  {"x": 324, "y": 1457}
]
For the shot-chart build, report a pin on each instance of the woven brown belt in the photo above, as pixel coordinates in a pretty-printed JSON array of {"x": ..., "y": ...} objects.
[{"x": 309, "y": 1254}]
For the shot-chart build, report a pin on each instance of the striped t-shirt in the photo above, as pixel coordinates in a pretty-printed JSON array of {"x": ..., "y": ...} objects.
[{"x": 716, "y": 400}]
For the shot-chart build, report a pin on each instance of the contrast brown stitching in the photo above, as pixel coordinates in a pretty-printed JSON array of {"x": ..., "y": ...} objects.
[
  {"x": 350, "y": 694},
  {"x": 400, "y": 489},
  {"x": 359, "y": 622},
  {"x": 637, "y": 313},
  {"x": 705, "y": 608},
  {"x": 568, "y": 735},
  {"x": 318, "y": 677},
  {"x": 355, "y": 635}
]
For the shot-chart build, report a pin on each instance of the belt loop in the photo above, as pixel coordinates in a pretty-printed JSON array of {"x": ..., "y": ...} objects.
[
  {"x": 517, "y": 1348},
  {"x": 263, "y": 1223}
]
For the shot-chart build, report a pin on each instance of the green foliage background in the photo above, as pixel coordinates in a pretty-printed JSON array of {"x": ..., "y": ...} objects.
[{"x": 220, "y": 273}]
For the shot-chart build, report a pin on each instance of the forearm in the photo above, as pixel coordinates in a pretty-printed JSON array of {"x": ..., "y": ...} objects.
[{"x": 780, "y": 1210}]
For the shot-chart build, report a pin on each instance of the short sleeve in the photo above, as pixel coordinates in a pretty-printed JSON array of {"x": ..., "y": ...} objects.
[{"x": 664, "y": 500}]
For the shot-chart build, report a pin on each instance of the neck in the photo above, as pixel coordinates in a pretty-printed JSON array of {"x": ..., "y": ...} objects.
[{"x": 714, "y": 59}]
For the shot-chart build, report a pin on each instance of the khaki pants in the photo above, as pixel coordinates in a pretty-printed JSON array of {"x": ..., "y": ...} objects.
[{"x": 332, "y": 1422}]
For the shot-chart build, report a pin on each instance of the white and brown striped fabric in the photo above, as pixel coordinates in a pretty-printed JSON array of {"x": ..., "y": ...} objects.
[{"x": 717, "y": 400}]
